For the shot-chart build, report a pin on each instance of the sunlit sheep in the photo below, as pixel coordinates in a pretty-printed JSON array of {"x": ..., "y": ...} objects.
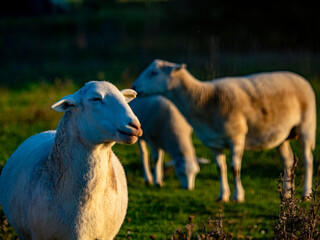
[
  {"x": 258, "y": 111},
  {"x": 68, "y": 184},
  {"x": 165, "y": 129}
]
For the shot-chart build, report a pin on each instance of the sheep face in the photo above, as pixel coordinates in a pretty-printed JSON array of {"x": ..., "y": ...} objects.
[
  {"x": 186, "y": 172},
  {"x": 99, "y": 113},
  {"x": 157, "y": 78}
]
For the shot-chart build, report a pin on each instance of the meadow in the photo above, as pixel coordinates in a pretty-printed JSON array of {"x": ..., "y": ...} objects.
[{"x": 57, "y": 55}]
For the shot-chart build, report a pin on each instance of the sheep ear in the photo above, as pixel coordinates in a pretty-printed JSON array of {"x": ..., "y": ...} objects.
[
  {"x": 129, "y": 94},
  {"x": 65, "y": 104},
  {"x": 179, "y": 66},
  {"x": 176, "y": 67}
]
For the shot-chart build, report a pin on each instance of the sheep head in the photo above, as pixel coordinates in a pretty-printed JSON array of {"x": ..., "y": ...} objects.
[
  {"x": 157, "y": 78},
  {"x": 100, "y": 113},
  {"x": 186, "y": 170}
]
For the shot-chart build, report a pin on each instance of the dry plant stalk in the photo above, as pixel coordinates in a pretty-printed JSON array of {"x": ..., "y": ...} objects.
[
  {"x": 212, "y": 230},
  {"x": 297, "y": 219},
  {"x": 6, "y": 232}
]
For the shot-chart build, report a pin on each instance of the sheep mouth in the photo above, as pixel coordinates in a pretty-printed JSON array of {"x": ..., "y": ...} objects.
[
  {"x": 129, "y": 137},
  {"x": 127, "y": 133}
]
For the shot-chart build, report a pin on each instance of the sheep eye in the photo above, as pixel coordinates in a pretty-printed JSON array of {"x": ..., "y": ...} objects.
[
  {"x": 154, "y": 73},
  {"x": 96, "y": 99}
]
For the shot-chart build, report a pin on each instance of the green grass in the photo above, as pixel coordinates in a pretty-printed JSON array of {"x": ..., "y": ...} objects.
[
  {"x": 154, "y": 211},
  {"x": 42, "y": 60}
]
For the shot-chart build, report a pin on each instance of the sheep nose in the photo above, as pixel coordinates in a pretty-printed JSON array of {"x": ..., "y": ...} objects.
[{"x": 136, "y": 125}]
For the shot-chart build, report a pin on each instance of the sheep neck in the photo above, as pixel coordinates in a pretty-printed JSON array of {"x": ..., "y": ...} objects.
[
  {"x": 77, "y": 166},
  {"x": 190, "y": 95}
]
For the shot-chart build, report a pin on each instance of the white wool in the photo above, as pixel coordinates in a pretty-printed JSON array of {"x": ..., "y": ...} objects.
[
  {"x": 68, "y": 184},
  {"x": 165, "y": 129},
  {"x": 259, "y": 111}
]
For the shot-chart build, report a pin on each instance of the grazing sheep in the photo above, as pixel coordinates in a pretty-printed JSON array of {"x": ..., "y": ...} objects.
[
  {"x": 258, "y": 111},
  {"x": 68, "y": 184},
  {"x": 164, "y": 128}
]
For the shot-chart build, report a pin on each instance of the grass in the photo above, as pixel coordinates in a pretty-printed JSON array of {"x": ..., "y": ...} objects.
[
  {"x": 43, "y": 59},
  {"x": 153, "y": 211}
]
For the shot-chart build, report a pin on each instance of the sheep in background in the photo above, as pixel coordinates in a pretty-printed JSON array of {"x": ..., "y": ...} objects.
[
  {"x": 68, "y": 184},
  {"x": 258, "y": 111},
  {"x": 164, "y": 128}
]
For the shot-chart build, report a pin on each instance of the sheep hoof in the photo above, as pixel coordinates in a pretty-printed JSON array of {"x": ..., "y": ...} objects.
[
  {"x": 306, "y": 198},
  {"x": 222, "y": 199},
  {"x": 240, "y": 200},
  {"x": 287, "y": 195},
  {"x": 238, "y": 197},
  {"x": 159, "y": 185},
  {"x": 148, "y": 183},
  {"x": 307, "y": 195}
]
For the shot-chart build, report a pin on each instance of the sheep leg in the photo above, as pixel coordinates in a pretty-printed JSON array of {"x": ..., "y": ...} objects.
[
  {"x": 158, "y": 155},
  {"x": 287, "y": 160},
  {"x": 308, "y": 165},
  {"x": 220, "y": 159},
  {"x": 307, "y": 131},
  {"x": 237, "y": 148},
  {"x": 145, "y": 162},
  {"x": 192, "y": 169}
]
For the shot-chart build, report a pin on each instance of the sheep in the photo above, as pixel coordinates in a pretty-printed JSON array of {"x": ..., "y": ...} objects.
[
  {"x": 165, "y": 129},
  {"x": 68, "y": 184},
  {"x": 256, "y": 112}
]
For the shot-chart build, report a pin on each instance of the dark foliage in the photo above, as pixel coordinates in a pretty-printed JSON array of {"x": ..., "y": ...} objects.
[
  {"x": 212, "y": 230},
  {"x": 298, "y": 219},
  {"x": 6, "y": 232}
]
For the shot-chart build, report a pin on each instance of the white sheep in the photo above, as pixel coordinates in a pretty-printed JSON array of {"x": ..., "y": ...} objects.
[
  {"x": 258, "y": 111},
  {"x": 165, "y": 129},
  {"x": 68, "y": 184}
]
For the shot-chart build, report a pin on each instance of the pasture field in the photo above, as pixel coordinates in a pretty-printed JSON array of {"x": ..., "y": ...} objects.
[
  {"x": 154, "y": 211},
  {"x": 43, "y": 59}
]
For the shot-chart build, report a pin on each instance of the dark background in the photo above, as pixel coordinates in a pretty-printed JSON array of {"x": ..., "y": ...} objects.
[{"x": 88, "y": 39}]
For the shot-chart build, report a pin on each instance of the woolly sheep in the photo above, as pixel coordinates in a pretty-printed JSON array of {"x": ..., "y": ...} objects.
[
  {"x": 258, "y": 111},
  {"x": 68, "y": 184},
  {"x": 165, "y": 129}
]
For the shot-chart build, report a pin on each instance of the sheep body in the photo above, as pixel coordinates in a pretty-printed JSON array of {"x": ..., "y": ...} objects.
[
  {"x": 66, "y": 184},
  {"x": 165, "y": 129},
  {"x": 259, "y": 111}
]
